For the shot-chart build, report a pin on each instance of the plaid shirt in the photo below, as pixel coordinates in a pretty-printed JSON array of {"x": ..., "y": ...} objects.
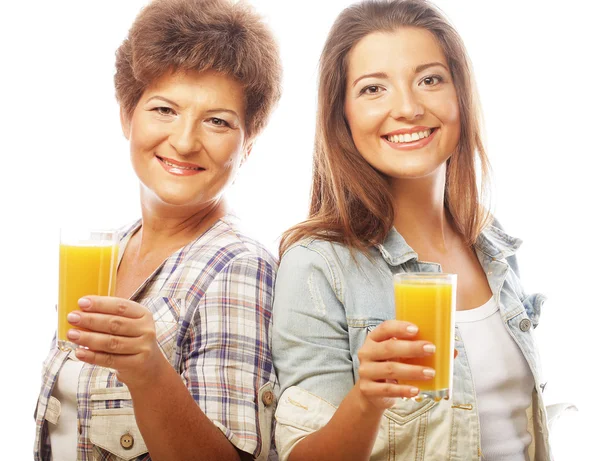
[{"x": 211, "y": 303}]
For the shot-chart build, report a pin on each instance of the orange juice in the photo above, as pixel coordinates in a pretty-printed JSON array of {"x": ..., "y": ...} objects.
[
  {"x": 83, "y": 270},
  {"x": 428, "y": 301}
]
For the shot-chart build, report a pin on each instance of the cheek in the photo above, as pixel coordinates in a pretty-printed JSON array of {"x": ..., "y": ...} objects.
[
  {"x": 144, "y": 136},
  {"x": 364, "y": 121},
  {"x": 448, "y": 110},
  {"x": 224, "y": 150}
]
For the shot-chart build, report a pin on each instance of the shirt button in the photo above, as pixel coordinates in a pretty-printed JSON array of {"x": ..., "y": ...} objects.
[
  {"x": 525, "y": 324},
  {"x": 268, "y": 398},
  {"x": 127, "y": 441}
]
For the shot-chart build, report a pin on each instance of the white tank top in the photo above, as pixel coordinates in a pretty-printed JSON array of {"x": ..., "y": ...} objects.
[
  {"x": 63, "y": 434},
  {"x": 503, "y": 383}
]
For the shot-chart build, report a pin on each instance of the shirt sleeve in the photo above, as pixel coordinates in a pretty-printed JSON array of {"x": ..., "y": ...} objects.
[
  {"x": 311, "y": 350},
  {"x": 226, "y": 355}
]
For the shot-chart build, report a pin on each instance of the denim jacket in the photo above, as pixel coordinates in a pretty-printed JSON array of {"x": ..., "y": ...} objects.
[{"x": 326, "y": 303}]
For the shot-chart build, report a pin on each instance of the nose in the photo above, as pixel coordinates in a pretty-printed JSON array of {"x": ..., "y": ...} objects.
[
  {"x": 406, "y": 105},
  {"x": 185, "y": 137}
]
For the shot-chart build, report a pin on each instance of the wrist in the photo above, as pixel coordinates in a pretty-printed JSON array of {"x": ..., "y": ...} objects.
[
  {"x": 152, "y": 375},
  {"x": 366, "y": 407}
]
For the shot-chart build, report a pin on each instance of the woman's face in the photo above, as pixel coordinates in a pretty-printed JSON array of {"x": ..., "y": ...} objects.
[
  {"x": 401, "y": 103},
  {"x": 187, "y": 138}
]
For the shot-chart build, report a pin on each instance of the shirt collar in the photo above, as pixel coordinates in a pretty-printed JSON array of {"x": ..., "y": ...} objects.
[
  {"x": 496, "y": 243},
  {"x": 493, "y": 241},
  {"x": 395, "y": 250}
]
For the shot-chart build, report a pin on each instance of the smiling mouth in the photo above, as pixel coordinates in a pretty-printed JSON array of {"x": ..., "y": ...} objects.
[
  {"x": 409, "y": 137},
  {"x": 178, "y": 166}
]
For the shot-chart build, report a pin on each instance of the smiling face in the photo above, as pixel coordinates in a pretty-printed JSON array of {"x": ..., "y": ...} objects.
[
  {"x": 187, "y": 138},
  {"x": 401, "y": 104}
]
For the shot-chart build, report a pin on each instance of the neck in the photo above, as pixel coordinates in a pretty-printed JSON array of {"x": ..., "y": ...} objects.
[
  {"x": 169, "y": 227},
  {"x": 420, "y": 215}
]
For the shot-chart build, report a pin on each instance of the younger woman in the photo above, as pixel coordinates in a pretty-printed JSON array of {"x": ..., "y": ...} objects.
[{"x": 398, "y": 152}]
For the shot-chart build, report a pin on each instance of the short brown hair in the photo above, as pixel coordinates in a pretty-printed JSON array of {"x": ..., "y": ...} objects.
[
  {"x": 350, "y": 201},
  {"x": 200, "y": 35}
]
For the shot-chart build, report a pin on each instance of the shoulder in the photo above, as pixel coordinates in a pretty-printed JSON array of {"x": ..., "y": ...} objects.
[
  {"x": 319, "y": 262},
  {"x": 227, "y": 244},
  {"x": 318, "y": 250},
  {"x": 315, "y": 253}
]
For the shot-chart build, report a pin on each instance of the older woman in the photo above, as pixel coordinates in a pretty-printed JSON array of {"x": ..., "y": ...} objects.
[{"x": 177, "y": 365}]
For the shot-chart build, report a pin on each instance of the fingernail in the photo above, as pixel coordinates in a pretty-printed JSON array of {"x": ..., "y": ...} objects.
[
  {"x": 73, "y": 334},
  {"x": 73, "y": 317},
  {"x": 412, "y": 329},
  {"x": 429, "y": 372},
  {"x": 84, "y": 303},
  {"x": 414, "y": 390},
  {"x": 80, "y": 353},
  {"x": 429, "y": 348}
]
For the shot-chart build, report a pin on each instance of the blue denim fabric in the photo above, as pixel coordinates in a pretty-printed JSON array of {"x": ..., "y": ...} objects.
[{"x": 326, "y": 302}]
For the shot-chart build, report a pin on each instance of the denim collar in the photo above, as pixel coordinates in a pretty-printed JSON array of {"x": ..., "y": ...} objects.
[{"x": 492, "y": 241}]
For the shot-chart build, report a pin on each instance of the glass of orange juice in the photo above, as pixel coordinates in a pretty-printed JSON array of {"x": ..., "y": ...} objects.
[
  {"x": 87, "y": 266},
  {"x": 428, "y": 300}
]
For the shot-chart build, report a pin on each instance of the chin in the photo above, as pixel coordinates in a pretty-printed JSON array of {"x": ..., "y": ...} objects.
[
  {"x": 172, "y": 196},
  {"x": 414, "y": 171}
]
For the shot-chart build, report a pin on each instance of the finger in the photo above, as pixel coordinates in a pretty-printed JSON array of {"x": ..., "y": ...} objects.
[
  {"x": 387, "y": 389},
  {"x": 111, "y": 344},
  {"x": 395, "y": 349},
  {"x": 115, "y": 306},
  {"x": 104, "y": 323},
  {"x": 377, "y": 371},
  {"x": 103, "y": 359},
  {"x": 393, "y": 329},
  {"x": 455, "y": 353}
]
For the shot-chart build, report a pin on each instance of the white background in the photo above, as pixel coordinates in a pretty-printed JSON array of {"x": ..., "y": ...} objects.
[{"x": 64, "y": 159}]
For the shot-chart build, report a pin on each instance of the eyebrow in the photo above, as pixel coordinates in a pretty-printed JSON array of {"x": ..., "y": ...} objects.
[
  {"x": 422, "y": 67},
  {"x": 418, "y": 69},
  {"x": 373, "y": 75},
  {"x": 229, "y": 111},
  {"x": 168, "y": 101}
]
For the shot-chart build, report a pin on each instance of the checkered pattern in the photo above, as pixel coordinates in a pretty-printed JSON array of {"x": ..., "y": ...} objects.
[{"x": 211, "y": 302}]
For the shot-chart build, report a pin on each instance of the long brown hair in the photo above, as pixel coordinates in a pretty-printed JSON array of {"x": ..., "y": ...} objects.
[{"x": 350, "y": 201}]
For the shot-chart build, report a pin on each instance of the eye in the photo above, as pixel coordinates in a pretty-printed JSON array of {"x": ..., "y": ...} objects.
[
  {"x": 371, "y": 89},
  {"x": 218, "y": 122},
  {"x": 432, "y": 80},
  {"x": 164, "y": 110}
]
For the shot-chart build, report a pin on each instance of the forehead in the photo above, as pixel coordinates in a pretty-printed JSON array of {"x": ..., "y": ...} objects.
[
  {"x": 207, "y": 87},
  {"x": 403, "y": 49}
]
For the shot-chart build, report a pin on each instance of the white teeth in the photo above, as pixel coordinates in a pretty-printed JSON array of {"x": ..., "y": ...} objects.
[
  {"x": 408, "y": 137},
  {"x": 179, "y": 166}
]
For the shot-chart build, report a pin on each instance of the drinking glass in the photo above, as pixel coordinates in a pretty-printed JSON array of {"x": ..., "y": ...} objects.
[
  {"x": 87, "y": 266},
  {"x": 428, "y": 300}
]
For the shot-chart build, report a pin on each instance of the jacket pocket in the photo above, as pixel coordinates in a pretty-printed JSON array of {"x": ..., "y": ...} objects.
[
  {"x": 115, "y": 429},
  {"x": 299, "y": 413},
  {"x": 405, "y": 410}
]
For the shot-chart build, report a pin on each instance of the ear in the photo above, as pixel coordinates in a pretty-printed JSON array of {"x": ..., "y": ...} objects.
[
  {"x": 125, "y": 122},
  {"x": 247, "y": 149}
]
